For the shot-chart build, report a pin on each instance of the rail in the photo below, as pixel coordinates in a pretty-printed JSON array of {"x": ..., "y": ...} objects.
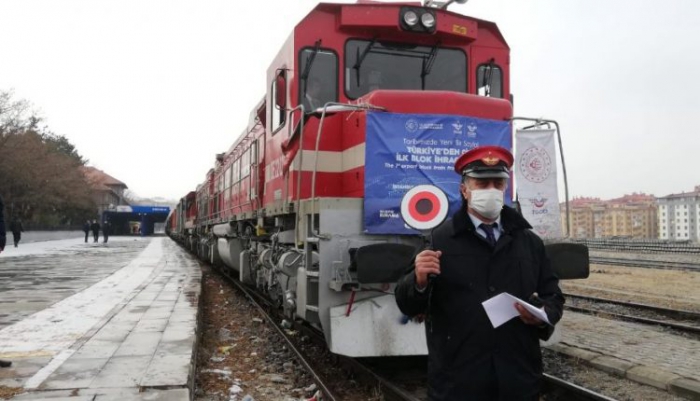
[
  {"x": 649, "y": 264},
  {"x": 639, "y": 245},
  {"x": 558, "y": 388},
  {"x": 253, "y": 298},
  {"x": 680, "y": 320}
]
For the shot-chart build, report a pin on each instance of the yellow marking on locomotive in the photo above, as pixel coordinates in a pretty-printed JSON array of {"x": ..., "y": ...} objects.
[{"x": 459, "y": 29}]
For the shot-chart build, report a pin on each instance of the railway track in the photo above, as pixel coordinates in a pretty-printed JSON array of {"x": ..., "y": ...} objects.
[
  {"x": 555, "y": 389},
  {"x": 265, "y": 307},
  {"x": 640, "y": 246},
  {"x": 354, "y": 367},
  {"x": 396, "y": 379},
  {"x": 679, "y": 320},
  {"x": 651, "y": 264}
]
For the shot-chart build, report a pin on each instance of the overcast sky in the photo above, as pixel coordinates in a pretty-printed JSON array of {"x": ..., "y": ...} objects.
[{"x": 150, "y": 91}]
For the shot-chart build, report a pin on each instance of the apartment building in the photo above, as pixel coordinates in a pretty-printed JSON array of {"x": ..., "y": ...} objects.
[
  {"x": 679, "y": 215},
  {"x": 631, "y": 216}
]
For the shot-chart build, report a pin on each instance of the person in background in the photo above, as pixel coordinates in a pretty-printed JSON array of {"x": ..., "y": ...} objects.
[
  {"x": 313, "y": 96},
  {"x": 86, "y": 229},
  {"x": 17, "y": 230},
  {"x": 3, "y": 239},
  {"x": 484, "y": 250},
  {"x": 95, "y": 227},
  {"x": 106, "y": 227}
]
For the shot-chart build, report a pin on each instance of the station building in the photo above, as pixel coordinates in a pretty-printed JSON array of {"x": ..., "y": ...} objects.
[
  {"x": 107, "y": 191},
  {"x": 114, "y": 207}
]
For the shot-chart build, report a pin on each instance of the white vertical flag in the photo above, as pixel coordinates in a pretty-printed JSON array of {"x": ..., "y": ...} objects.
[{"x": 536, "y": 179}]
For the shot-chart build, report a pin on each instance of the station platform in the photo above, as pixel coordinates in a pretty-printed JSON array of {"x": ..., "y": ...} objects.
[
  {"x": 99, "y": 321},
  {"x": 646, "y": 354}
]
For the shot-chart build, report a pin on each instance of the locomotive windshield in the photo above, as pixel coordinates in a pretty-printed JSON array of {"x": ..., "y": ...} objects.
[
  {"x": 371, "y": 65},
  {"x": 318, "y": 82}
]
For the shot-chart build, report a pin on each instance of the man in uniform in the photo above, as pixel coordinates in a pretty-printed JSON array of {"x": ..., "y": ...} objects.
[{"x": 485, "y": 249}]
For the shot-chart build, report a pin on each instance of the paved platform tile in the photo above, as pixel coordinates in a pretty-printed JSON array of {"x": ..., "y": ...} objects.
[
  {"x": 60, "y": 395},
  {"x": 151, "y": 325},
  {"x": 168, "y": 370},
  {"x": 579, "y": 353},
  {"x": 158, "y": 395},
  {"x": 159, "y": 312},
  {"x": 39, "y": 397},
  {"x": 612, "y": 365},
  {"x": 687, "y": 388},
  {"x": 75, "y": 373},
  {"x": 97, "y": 349},
  {"x": 24, "y": 367},
  {"x": 107, "y": 394},
  {"x": 652, "y": 376},
  {"x": 137, "y": 344},
  {"x": 124, "y": 371}
]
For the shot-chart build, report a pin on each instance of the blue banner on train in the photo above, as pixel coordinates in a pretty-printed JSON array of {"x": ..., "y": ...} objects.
[{"x": 405, "y": 150}]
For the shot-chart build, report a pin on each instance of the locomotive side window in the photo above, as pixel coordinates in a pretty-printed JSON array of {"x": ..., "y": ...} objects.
[
  {"x": 235, "y": 179},
  {"x": 231, "y": 182},
  {"x": 245, "y": 164},
  {"x": 318, "y": 81},
  {"x": 227, "y": 185},
  {"x": 489, "y": 80},
  {"x": 278, "y": 94},
  {"x": 236, "y": 172},
  {"x": 371, "y": 65}
]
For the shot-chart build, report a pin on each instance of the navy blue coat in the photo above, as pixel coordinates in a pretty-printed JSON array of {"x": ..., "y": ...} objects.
[{"x": 467, "y": 358}]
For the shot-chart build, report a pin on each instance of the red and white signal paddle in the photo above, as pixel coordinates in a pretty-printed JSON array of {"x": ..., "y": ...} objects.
[{"x": 424, "y": 207}]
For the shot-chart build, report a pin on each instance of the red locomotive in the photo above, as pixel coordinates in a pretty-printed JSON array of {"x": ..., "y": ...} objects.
[{"x": 286, "y": 206}]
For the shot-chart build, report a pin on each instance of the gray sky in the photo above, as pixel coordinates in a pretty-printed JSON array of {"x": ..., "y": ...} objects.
[{"x": 150, "y": 90}]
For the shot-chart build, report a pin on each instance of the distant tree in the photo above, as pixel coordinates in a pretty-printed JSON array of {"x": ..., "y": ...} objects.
[
  {"x": 61, "y": 144},
  {"x": 40, "y": 176},
  {"x": 131, "y": 198},
  {"x": 16, "y": 115}
]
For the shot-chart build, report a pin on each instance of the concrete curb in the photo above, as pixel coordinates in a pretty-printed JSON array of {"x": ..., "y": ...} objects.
[
  {"x": 195, "y": 288},
  {"x": 649, "y": 375}
]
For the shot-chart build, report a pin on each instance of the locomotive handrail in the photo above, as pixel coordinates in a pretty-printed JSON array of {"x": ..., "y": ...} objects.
[
  {"x": 346, "y": 107},
  {"x": 299, "y": 173},
  {"x": 541, "y": 121}
]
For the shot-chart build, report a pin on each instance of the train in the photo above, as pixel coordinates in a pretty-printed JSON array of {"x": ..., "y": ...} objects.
[{"x": 299, "y": 207}]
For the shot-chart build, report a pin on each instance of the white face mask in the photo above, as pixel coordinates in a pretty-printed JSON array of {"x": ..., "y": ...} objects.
[{"x": 487, "y": 202}]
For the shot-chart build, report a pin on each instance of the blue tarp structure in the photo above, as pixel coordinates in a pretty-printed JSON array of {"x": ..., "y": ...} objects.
[{"x": 121, "y": 218}]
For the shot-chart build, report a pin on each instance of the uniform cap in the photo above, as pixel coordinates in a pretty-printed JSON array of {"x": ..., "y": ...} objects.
[{"x": 485, "y": 162}]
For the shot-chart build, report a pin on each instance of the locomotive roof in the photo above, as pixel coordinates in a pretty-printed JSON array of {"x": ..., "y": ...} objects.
[{"x": 490, "y": 25}]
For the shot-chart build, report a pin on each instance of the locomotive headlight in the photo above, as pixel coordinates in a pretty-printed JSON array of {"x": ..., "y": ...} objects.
[
  {"x": 410, "y": 18},
  {"x": 417, "y": 19},
  {"x": 428, "y": 20}
]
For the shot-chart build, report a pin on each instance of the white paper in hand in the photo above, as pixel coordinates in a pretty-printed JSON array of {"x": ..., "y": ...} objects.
[{"x": 501, "y": 309}]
